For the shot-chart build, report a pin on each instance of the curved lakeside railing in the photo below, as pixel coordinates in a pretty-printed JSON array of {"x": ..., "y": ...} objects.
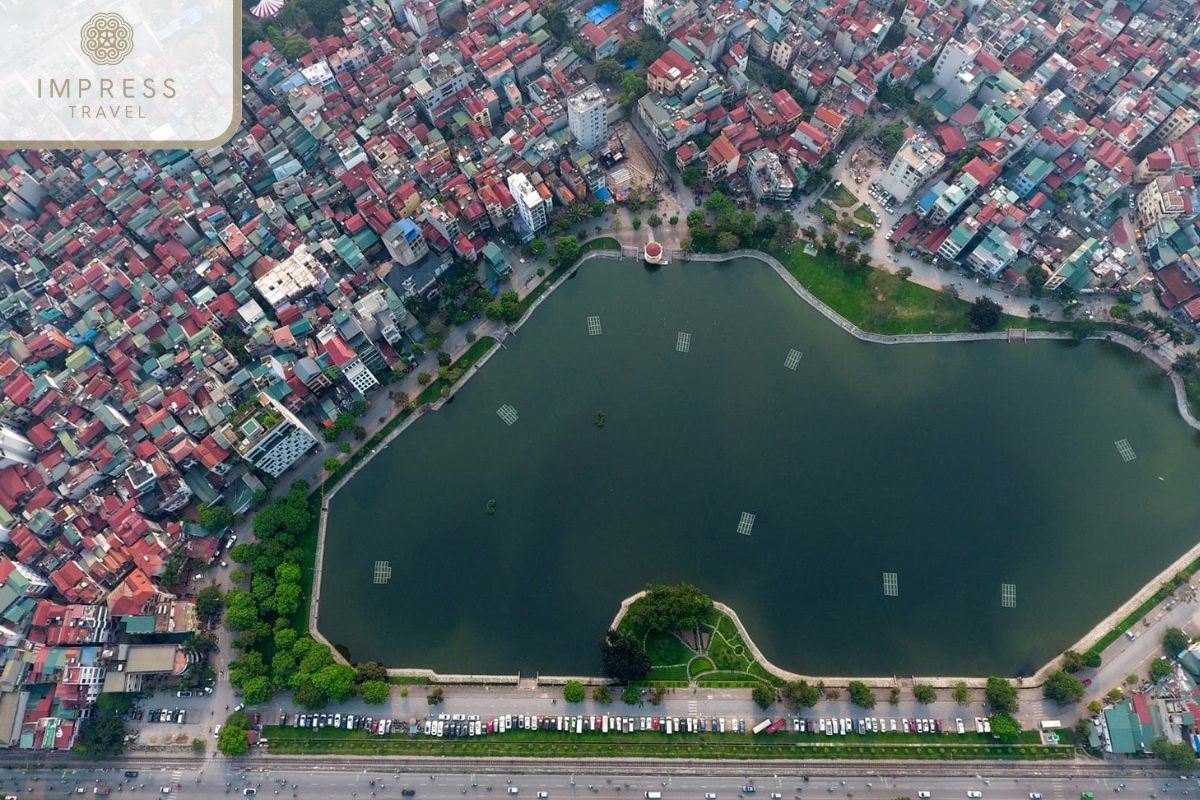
[{"x": 1091, "y": 637}]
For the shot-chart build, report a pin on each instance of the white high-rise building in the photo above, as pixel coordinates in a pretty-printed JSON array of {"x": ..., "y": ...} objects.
[
  {"x": 531, "y": 206},
  {"x": 14, "y": 448},
  {"x": 587, "y": 116},
  {"x": 914, "y": 163},
  {"x": 650, "y": 11},
  {"x": 954, "y": 58}
]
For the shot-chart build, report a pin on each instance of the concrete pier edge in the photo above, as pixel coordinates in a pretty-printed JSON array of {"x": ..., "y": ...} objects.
[{"x": 1038, "y": 678}]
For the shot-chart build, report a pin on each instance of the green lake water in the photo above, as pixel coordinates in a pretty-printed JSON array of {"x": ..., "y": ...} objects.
[{"x": 960, "y": 467}]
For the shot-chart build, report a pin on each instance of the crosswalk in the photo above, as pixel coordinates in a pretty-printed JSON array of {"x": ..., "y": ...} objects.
[{"x": 693, "y": 707}]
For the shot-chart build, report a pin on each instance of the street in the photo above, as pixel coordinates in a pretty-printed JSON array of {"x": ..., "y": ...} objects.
[{"x": 794, "y": 781}]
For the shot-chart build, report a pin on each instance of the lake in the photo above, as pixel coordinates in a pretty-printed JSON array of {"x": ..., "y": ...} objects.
[{"x": 959, "y": 467}]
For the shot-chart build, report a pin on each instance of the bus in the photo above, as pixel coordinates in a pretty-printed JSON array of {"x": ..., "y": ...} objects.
[{"x": 762, "y": 726}]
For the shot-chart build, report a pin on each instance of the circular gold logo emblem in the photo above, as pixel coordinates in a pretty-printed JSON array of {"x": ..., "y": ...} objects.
[{"x": 106, "y": 39}]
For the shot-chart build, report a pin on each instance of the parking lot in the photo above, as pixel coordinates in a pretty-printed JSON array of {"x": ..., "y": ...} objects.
[{"x": 165, "y": 719}]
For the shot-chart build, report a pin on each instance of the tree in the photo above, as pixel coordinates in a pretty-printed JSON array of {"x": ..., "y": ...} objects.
[
  {"x": 374, "y": 692},
  {"x": 602, "y": 694},
  {"x": 257, "y": 690},
  {"x": 1035, "y": 276},
  {"x": 829, "y": 240},
  {"x": 1175, "y": 641},
  {"x": 241, "y": 610},
  {"x": 232, "y": 741},
  {"x": 370, "y": 671},
  {"x": 573, "y": 692},
  {"x": 1063, "y": 688},
  {"x": 1159, "y": 669},
  {"x": 904, "y": 273},
  {"x": 103, "y": 734},
  {"x": 631, "y": 695},
  {"x": 727, "y": 242},
  {"x": 763, "y": 695},
  {"x": 1072, "y": 661},
  {"x": 331, "y": 464},
  {"x": 623, "y": 658},
  {"x": 1179, "y": 756},
  {"x": 1114, "y": 696},
  {"x": 924, "y": 693},
  {"x": 800, "y": 694},
  {"x": 243, "y": 553},
  {"x": 567, "y": 249},
  {"x": 214, "y": 518},
  {"x": 209, "y": 604},
  {"x": 335, "y": 681},
  {"x": 961, "y": 693},
  {"x": 435, "y": 696},
  {"x": 1083, "y": 729},
  {"x": 537, "y": 248},
  {"x": 891, "y": 136},
  {"x": 609, "y": 72},
  {"x": 861, "y": 694},
  {"x": 667, "y": 607},
  {"x": 1005, "y": 728},
  {"x": 1001, "y": 696},
  {"x": 1092, "y": 660},
  {"x": 718, "y": 203},
  {"x": 633, "y": 86},
  {"x": 984, "y": 314}
]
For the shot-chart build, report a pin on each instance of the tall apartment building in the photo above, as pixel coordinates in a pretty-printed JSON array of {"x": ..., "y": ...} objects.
[
  {"x": 14, "y": 448},
  {"x": 587, "y": 116},
  {"x": 439, "y": 79},
  {"x": 954, "y": 58},
  {"x": 531, "y": 206},
  {"x": 913, "y": 164},
  {"x": 268, "y": 436},
  {"x": 404, "y": 242}
]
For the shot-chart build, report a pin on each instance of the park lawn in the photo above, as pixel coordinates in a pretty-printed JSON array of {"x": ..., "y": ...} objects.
[
  {"x": 840, "y": 196},
  {"x": 667, "y": 649},
  {"x": 880, "y": 302},
  {"x": 600, "y": 243},
  {"x": 824, "y": 211},
  {"x": 864, "y": 214},
  {"x": 677, "y": 673},
  {"x": 699, "y": 666}
]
